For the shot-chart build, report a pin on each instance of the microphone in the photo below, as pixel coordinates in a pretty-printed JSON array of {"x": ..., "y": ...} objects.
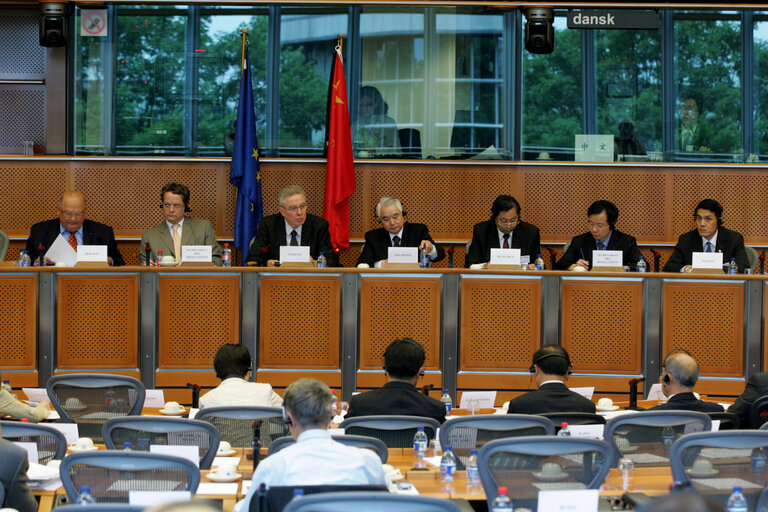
[
  {"x": 148, "y": 255},
  {"x": 552, "y": 254},
  {"x": 41, "y": 253},
  {"x": 450, "y": 256},
  {"x": 656, "y": 258},
  {"x": 633, "y": 393},
  {"x": 426, "y": 389},
  {"x": 762, "y": 261},
  {"x": 195, "y": 394}
]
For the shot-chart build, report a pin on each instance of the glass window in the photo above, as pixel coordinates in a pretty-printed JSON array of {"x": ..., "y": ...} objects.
[{"x": 760, "y": 31}]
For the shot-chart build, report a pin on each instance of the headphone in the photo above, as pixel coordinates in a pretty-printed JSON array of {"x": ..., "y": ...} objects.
[
  {"x": 666, "y": 378},
  {"x": 286, "y": 419},
  {"x": 536, "y": 361}
]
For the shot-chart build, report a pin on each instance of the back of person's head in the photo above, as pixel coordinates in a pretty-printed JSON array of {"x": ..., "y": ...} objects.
[
  {"x": 309, "y": 401},
  {"x": 404, "y": 358},
  {"x": 683, "y": 368},
  {"x": 712, "y": 206},
  {"x": 380, "y": 106},
  {"x": 179, "y": 190},
  {"x": 610, "y": 209},
  {"x": 502, "y": 204},
  {"x": 232, "y": 361},
  {"x": 552, "y": 360}
]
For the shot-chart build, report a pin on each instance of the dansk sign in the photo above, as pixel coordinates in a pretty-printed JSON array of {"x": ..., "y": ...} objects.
[{"x": 637, "y": 20}]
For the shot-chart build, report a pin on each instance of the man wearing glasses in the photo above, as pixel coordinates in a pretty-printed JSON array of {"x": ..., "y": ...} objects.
[
  {"x": 505, "y": 230},
  {"x": 602, "y": 236},
  {"x": 293, "y": 225},
  {"x": 177, "y": 229},
  {"x": 74, "y": 228}
]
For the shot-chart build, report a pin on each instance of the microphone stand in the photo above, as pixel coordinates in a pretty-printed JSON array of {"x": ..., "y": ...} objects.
[
  {"x": 426, "y": 389},
  {"x": 552, "y": 254},
  {"x": 41, "y": 258},
  {"x": 195, "y": 394},
  {"x": 256, "y": 443},
  {"x": 450, "y": 256},
  {"x": 633, "y": 394},
  {"x": 656, "y": 259},
  {"x": 762, "y": 262}
]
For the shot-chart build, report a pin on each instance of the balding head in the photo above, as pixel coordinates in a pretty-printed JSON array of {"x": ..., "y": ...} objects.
[
  {"x": 683, "y": 370},
  {"x": 71, "y": 210}
]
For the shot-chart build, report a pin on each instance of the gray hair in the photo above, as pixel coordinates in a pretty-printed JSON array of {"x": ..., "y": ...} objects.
[
  {"x": 309, "y": 401},
  {"x": 290, "y": 190},
  {"x": 684, "y": 368},
  {"x": 388, "y": 201}
]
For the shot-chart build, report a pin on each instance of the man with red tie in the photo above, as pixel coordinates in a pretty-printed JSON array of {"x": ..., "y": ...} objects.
[{"x": 74, "y": 228}]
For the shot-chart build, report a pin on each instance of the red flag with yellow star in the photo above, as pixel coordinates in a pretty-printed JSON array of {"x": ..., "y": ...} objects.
[{"x": 340, "y": 168}]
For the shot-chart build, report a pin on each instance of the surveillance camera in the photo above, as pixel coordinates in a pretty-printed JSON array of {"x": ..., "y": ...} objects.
[
  {"x": 539, "y": 32},
  {"x": 52, "y": 25}
]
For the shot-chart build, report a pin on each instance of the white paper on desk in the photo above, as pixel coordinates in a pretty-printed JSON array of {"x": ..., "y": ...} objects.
[
  {"x": 31, "y": 448},
  {"x": 225, "y": 461},
  {"x": 485, "y": 399},
  {"x": 154, "y": 398},
  {"x": 707, "y": 260},
  {"x": 336, "y": 432},
  {"x": 60, "y": 250},
  {"x": 193, "y": 412},
  {"x": 433, "y": 461},
  {"x": 53, "y": 415},
  {"x": 571, "y": 501},
  {"x": 218, "y": 489},
  {"x": 609, "y": 415},
  {"x": 506, "y": 257},
  {"x": 69, "y": 430},
  {"x": 92, "y": 253},
  {"x": 52, "y": 484},
  {"x": 586, "y": 392},
  {"x": 191, "y": 453},
  {"x": 402, "y": 254},
  {"x": 198, "y": 253},
  {"x": 715, "y": 425},
  {"x": 587, "y": 431},
  {"x": 655, "y": 393},
  {"x": 39, "y": 472},
  {"x": 35, "y": 395},
  {"x": 294, "y": 254},
  {"x": 150, "y": 498},
  {"x": 607, "y": 259}
]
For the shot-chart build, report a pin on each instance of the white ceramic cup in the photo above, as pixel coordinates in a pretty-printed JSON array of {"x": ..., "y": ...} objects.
[
  {"x": 84, "y": 443},
  {"x": 224, "y": 447},
  {"x": 605, "y": 403},
  {"x": 173, "y": 407},
  {"x": 551, "y": 469},
  {"x": 226, "y": 470}
]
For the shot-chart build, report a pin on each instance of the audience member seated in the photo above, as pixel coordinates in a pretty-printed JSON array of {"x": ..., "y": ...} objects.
[
  {"x": 233, "y": 364},
  {"x": 315, "y": 458},
  {"x": 678, "y": 377},
  {"x": 375, "y": 133},
  {"x": 757, "y": 386},
  {"x": 403, "y": 361},
  {"x": 11, "y": 406},
  {"x": 551, "y": 367},
  {"x": 13, "y": 476},
  {"x": 74, "y": 228},
  {"x": 693, "y": 135}
]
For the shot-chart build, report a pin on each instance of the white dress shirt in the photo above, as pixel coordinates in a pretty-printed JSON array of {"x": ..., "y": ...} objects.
[{"x": 237, "y": 391}]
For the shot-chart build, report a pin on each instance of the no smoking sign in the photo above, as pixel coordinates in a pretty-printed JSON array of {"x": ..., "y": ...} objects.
[{"x": 93, "y": 22}]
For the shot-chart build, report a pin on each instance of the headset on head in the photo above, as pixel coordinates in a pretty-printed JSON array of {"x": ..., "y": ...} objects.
[
  {"x": 552, "y": 354},
  {"x": 666, "y": 379}
]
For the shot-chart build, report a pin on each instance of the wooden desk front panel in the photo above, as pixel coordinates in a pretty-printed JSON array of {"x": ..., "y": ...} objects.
[{"x": 18, "y": 316}]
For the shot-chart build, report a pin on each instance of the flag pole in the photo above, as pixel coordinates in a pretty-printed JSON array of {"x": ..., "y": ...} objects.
[
  {"x": 340, "y": 43},
  {"x": 244, "y": 34}
]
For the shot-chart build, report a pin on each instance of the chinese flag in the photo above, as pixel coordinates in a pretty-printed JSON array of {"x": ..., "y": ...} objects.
[{"x": 340, "y": 169}]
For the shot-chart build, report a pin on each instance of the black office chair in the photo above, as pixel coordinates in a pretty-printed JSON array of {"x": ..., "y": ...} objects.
[
  {"x": 369, "y": 502},
  {"x": 277, "y": 497},
  {"x": 235, "y": 424},
  {"x": 573, "y": 418},
  {"x": 410, "y": 142},
  {"x": 51, "y": 443},
  {"x": 758, "y": 412},
  {"x": 370, "y": 443},
  {"x": 728, "y": 420},
  {"x": 395, "y": 431}
]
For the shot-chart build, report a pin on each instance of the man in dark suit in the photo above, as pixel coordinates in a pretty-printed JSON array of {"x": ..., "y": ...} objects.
[
  {"x": 679, "y": 375},
  {"x": 505, "y": 230},
  {"x": 693, "y": 136},
  {"x": 757, "y": 386},
  {"x": 602, "y": 235},
  {"x": 13, "y": 476},
  {"x": 395, "y": 232},
  {"x": 74, "y": 227},
  {"x": 709, "y": 236},
  {"x": 403, "y": 360},
  {"x": 551, "y": 367},
  {"x": 292, "y": 226}
]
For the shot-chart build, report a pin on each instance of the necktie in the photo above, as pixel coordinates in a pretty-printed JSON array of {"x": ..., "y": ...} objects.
[
  {"x": 294, "y": 239},
  {"x": 600, "y": 246},
  {"x": 72, "y": 240},
  {"x": 709, "y": 247},
  {"x": 395, "y": 241},
  {"x": 176, "y": 242},
  {"x": 506, "y": 241}
]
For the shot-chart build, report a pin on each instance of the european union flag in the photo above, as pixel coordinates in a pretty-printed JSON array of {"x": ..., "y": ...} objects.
[{"x": 244, "y": 170}]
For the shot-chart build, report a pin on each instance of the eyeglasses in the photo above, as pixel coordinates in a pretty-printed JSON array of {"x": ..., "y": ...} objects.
[
  {"x": 507, "y": 222},
  {"x": 73, "y": 215},
  {"x": 171, "y": 206},
  {"x": 598, "y": 225},
  {"x": 294, "y": 209}
]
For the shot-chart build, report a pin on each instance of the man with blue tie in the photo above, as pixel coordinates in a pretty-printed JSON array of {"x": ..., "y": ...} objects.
[
  {"x": 709, "y": 236},
  {"x": 602, "y": 236}
]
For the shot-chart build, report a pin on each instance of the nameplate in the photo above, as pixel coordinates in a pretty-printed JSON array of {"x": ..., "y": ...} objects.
[
  {"x": 710, "y": 260},
  {"x": 587, "y": 431},
  {"x": 623, "y": 20},
  {"x": 505, "y": 257},
  {"x": 191, "y": 453},
  {"x": 36, "y": 395},
  {"x": 569, "y": 501},
  {"x": 31, "y": 449},
  {"x": 70, "y": 431},
  {"x": 91, "y": 253},
  {"x": 586, "y": 392},
  {"x": 402, "y": 255},
  {"x": 196, "y": 253},
  {"x": 294, "y": 254},
  {"x": 154, "y": 398},
  {"x": 485, "y": 399},
  {"x": 655, "y": 393},
  {"x": 153, "y": 498},
  {"x": 607, "y": 259}
]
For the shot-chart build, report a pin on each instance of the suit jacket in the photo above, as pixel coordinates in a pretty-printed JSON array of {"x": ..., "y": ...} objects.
[
  {"x": 700, "y": 137},
  {"x": 729, "y": 242},
  {"x": 94, "y": 233},
  {"x": 194, "y": 231},
  {"x": 485, "y": 236},
  {"x": 584, "y": 244},
  {"x": 13, "y": 476},
  {"x": 271, "y": 235},
  {"x": 396, "y": 398},
  {"x": 687, "y": 402},
  {"x": 757, "y": 386},
  {"x": 550, "y": 397},
  {"x": 377, "y": 242}
]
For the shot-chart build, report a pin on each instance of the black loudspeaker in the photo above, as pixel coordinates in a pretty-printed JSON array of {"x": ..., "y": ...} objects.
[
  {"x": 539, "y": 32},
  {"x": 53, "y": 30}
]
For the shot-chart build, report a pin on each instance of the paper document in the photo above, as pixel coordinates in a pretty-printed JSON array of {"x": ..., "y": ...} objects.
[{"x": 60, "y": 250}]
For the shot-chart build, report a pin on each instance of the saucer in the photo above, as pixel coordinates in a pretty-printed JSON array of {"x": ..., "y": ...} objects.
[
  {"x": 226, "y": 453},
  {"x": 611, "y": 408},
  {"x": 75, "y": 409},
  {"x": 168, "y": 263},
  {"x": 711, "y": 472},
  {"x": 627, "y": 449},
  {"x": 221, "y": 478},
  {"x": 75, "y": 449},
  {"x": 550, "y": 478},
  {"x": 173, "y": 413}
]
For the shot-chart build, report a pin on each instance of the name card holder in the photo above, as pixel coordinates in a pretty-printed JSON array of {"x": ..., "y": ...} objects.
[
  {"x": 608, "y": 269},
  {"x": 497, "y": 266},
  {"x": 197, "y": 264},
  {"x": 505, "y": 259},
  {"x": 607, "y": 261},
  {"x": 710, "y": 271},
  {"x": 292, "y": 264},
  {"x": 92, "y": 264}
]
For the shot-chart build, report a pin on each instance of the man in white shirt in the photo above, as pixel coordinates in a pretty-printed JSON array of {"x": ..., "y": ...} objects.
[
  {"x": 315, "y": 458},
  {"x": 232, "y": 364}
]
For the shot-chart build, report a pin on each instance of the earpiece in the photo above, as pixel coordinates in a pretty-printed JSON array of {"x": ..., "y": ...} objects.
[
  {"x": 666, "y": 379},
  {"x": 286, "y": 419}
]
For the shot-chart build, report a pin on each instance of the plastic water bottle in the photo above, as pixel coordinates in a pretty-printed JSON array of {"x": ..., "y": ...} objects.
[
  {"x": 641, "y": 267},
  {"x": 85, "y": 498},
  {"x": 109, "y": 400},
  {"x": 473, "y": 474},
  {"x": 321, "y": 261},
  {"x": 24, "y": 259},
  {"x": 736, "y": 502},
  {"x": 423, "y": 257},
  {"x": 420, "y": 442},
  {"x": 334, "y": 403},
  {"x": 732, "y": 268},
  {"x": 539, "y": 262},
  {"x": 667, "y": 437},
  {"x": 564, "y": 432},
  {"x": 448, "y": 465},
  {"x": 501, "y": 503},
  {"x": 226, "y": 256},
  {"x": 127, "y": 447},
  {"x": 7, "y": 386},
  {"x": 446, "y": 399},
  {"x": 759, "y": 459},
  {"x": 297, "y": 494}
]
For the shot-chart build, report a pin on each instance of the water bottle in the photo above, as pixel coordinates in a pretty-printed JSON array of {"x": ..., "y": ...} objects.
[
  {"x": 564, "y": 432},
  {"x": 109, "y": 400},
  {"x": 736, "y": 502},
  {"x": 159, "y": 257},
  {"x": 226, "y": 256},
  {"x": 321, "y": 261},
  {"x": 420, "y": 442},
  {"x": 473, "y": 474},
  {"x": 501, "y": 503},
  {"x": 423, "y": 257},
  {"x": 127, "y": 447},
  {"x": 7, "y": 386},
  {"x": 759, "y": 458},
  {"x": 641, "y": 267},
  {"x": 85, "y": 498},
  {"x": 24, "y": 260},
  {"x": 539, "y": 262},
  {"x": 667, "y": 437},
  {"x": 297, "y": 494},
  {"x": 334, "y": 403},
  {"x": 448, "y": 465},
  {"x": 446, "y": 399},
  {"x": 732, "y": 268}
]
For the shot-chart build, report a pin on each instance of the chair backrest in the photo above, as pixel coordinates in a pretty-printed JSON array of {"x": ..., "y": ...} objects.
[
  {"x": 370, "y": 502},
  {"x": 90, "y": 399},
  {"x": 111, "y": 475},
  {"x": 395, "y": 431},
  {"x": 143, "y": 431},
  {"x": 51, "y": 443},
  {"x": 714, "y": 462},
  {"x": 465, "y": 433},
  {"x": 101, "y": 507},
  {"x": 3, "y": 247},
  {"x": 370, "y": 443},
  {"x": 278, "y": 496},
  {"x": 527, "y": 465},
  {"x": 751, "y": 256},
  {"x": 646, "y": 437},
  {"x": 410, "y": 142},
  {"x": 574, "y": 418},
  {"x": 728, "y": 420},
  {"x": 235, "y": 424},
  {"x": 758, "y": 412}
]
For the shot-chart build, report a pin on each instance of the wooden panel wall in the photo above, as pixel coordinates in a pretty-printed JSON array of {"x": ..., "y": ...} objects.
[{"x": 18, "y": 316}]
